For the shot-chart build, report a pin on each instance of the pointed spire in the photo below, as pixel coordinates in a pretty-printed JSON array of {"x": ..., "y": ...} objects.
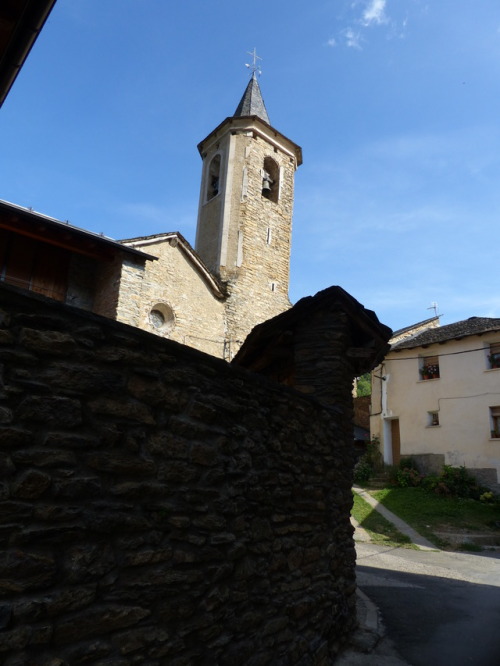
[{"x": 252, "y": 104}]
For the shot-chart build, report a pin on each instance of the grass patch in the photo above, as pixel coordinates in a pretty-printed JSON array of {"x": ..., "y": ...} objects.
[
  {"x": 381, "y": 531},
  {"x": 428, "y": 513}
]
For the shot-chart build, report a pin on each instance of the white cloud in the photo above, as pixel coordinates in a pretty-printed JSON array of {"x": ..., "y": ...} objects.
[
  {"x": 374, "y": 13},
  {"x": 353, "y": 39},
  {"x": 366, "y": 14}
]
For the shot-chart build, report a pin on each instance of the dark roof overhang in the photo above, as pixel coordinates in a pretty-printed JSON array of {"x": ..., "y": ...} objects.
[
  {"x": 26, "y": 222},
  {"x": 20, "y": 24}
]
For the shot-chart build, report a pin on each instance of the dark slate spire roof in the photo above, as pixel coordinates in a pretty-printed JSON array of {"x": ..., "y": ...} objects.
[{"x": 252, "y": 104}]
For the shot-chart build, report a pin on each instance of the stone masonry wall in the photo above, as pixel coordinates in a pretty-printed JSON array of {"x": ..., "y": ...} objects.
[
  {"x": 259, "y": 287},
  {"x": 161, "y": 507},
  {"x": 173, "y": 281}
]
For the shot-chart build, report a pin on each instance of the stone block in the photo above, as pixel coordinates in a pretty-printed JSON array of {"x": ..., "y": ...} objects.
[
  {"x": 47, "y": 342},
  {"x": 30, "y": 484},
  {"x": 50, "y": 410}
]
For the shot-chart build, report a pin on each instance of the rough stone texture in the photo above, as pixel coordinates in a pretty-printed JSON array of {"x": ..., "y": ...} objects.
[
  {"x": 82, "y": 279},
  {"x": 258, "y": 288},
  {"x": 429, "y": 463},
  {"x": 244, "y": 237},
  {"x": 362, "y": 411},
  {"x": 161, "y": 507},
  {"x": 108, "y": 288},
  {"x": 199, "y": 316}
]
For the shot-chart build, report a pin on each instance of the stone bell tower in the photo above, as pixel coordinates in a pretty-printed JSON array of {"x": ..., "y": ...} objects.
[{"x": 245, "y": 213}]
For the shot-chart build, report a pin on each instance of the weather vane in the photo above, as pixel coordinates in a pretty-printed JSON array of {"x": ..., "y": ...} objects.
[{"x": 254, "y": 66}]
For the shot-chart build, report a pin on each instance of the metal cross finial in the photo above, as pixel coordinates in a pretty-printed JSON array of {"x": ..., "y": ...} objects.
[{"x": 254, "y": 66}]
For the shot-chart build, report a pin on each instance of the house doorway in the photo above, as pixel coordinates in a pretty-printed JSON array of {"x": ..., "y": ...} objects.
[
  {"x": 392, "y": 442},
  {"x": 395, "y": 442}
]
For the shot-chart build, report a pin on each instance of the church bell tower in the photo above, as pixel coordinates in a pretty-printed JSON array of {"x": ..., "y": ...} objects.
[{"x": 245, "y": 212}]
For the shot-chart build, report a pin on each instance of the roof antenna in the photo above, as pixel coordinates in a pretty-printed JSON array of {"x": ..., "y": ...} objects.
[
  {"x": 255, "y": 67},
  {"x": 434, "y": 306}
]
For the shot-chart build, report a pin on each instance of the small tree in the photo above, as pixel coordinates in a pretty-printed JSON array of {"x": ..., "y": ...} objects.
[{"x": 364, "y": 385}]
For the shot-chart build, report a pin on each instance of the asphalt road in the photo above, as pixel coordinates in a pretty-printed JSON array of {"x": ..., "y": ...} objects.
[{"x": 438, "y": 608}]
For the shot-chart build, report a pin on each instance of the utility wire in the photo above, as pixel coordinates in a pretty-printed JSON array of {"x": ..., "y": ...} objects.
[{"x": 411, "y": 358}]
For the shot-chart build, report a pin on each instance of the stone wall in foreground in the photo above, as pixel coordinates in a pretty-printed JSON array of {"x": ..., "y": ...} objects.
[{"x": 161, "y": 507}]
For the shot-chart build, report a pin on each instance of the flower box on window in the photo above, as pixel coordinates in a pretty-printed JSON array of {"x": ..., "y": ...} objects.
[{"x": 430, "y": 369}]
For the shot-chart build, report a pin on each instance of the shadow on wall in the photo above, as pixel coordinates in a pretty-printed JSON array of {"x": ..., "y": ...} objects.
[{"x": 161, "y": 505}]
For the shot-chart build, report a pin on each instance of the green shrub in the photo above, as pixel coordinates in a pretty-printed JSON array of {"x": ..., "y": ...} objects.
[
  {"x": 408, "y": 463},
  {"x": 406, "y": 474},
  {"x": 457, "y": 481},
  {"x": 362, "y": 471},
  {"x": 451, "y": 482},
  {"x": 430, "y": 482},
  {"x": 369, "y": 462},
  {"x": 408, "y": 477}
]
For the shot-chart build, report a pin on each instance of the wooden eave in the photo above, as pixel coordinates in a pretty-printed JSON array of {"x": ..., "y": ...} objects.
[{"x": 47, "y": 230}]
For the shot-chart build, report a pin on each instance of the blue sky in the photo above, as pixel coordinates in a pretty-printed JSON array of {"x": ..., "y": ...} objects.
[{"x": 394, "y": 102}]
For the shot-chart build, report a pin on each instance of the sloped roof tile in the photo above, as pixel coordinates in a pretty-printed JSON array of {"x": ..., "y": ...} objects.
[{"x": 456, "y": 331}]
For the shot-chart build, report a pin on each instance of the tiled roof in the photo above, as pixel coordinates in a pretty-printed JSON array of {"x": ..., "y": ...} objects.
[
  {"x": 401, "y": 331},
  {"x": 456, "y": 331},
  {"x": 252, "y": 104}
]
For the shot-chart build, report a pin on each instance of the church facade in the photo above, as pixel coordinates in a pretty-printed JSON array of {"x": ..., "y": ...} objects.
[
  {"x": 237, "y": 276},
  {"x": 209, "y": 297}
]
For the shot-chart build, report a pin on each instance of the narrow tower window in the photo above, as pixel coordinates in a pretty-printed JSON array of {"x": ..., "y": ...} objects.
[
  {"x": 270, "y": 180},
  {"x": 213, "y": 184}
]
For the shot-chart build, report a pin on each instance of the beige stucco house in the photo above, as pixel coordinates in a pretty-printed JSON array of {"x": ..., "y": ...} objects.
[{"x": 436, "y": 398}]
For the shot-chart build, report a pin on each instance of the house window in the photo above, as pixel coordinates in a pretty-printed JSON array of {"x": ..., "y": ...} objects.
[
  {"x": 495, "y": 422},
  {"x": 433, "y": 419},
  {"x": 213, "y": 184},
  {"x": 494, "y": 355},
  {"x": 430, "y": 367},
  {"x": 270, "y": 180}
]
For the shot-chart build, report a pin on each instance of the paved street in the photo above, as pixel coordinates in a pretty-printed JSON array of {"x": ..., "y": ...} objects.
[{"x": 437, "y": 607}]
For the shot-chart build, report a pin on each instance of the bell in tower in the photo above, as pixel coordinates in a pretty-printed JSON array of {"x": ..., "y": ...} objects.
[{"x": 245, "y": 210}]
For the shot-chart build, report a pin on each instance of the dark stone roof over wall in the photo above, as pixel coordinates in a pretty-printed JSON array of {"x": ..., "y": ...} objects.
[
  {"x": 275, "y": 335},
  {"x": 456, "y": 331}
]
